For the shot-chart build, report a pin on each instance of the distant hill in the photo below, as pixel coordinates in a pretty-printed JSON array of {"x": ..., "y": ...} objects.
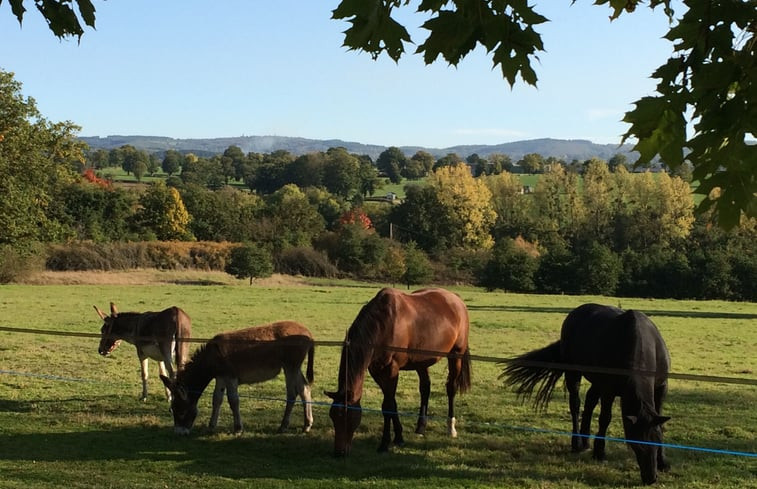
[{"x": 566, "y": 149}]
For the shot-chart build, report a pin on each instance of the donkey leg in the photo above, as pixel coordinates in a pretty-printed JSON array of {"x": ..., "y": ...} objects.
[
  {"x": 307, "y": 403},
  {"x": 166, "y": 371},
  {"x": 424, "y": 386},
  {"x": 292, "y": 388},
  {"x": 218, "y": 394},
  {"x": 605, "y": 416},
  {"x": 143, "y": 365},
  {"x": 573, "y": 384},
  {"x": 592, "y": 397},
  {"x": 232, "y": 395}
]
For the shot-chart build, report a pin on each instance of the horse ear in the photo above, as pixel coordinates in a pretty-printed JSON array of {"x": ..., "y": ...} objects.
[
  {"x": 659, "y": 420},
  {"x": 100, "y": 313},
  {"x": 113, "y": 310},
  {"x": 632, "y": 419},
  {"x": 332, "y": 395}
]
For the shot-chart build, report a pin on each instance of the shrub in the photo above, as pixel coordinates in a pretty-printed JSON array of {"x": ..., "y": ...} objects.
[
  {"x": 305, "y": 261},
  {"x": 16, "y": 264},
  {"x": 250, "y": 260}
]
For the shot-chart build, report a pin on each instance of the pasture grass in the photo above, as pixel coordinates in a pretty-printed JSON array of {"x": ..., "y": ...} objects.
[{"x": 70, "y": 418}]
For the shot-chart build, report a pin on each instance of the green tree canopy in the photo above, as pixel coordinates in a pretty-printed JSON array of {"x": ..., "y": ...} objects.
[{"x": 704, "y": 110}]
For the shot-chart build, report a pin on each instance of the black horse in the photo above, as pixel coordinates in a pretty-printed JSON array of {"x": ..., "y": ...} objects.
[{"x": 621, "y": 353}]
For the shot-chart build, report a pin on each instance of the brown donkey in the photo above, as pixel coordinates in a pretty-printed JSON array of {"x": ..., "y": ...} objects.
[
  {"x": 157, "y": 335},
  {"x": 245, "y": 356}
]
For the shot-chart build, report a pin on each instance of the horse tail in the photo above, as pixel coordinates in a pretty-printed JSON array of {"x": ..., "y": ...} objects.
[
  {"x": 532, "y": 372},
  {"x": 463, "y": 381},
  {"x": 309, "y": 371}
]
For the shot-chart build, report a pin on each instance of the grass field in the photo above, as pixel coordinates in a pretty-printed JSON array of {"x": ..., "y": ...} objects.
[{"x": 70, "y": 418}]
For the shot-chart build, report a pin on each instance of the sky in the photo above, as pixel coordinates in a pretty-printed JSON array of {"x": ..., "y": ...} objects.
[{"x": 207, "y": 69}]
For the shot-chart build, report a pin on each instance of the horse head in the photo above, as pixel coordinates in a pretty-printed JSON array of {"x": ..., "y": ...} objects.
[
  {"x": 108, "y": 341},
  {"x": 647, "y": 429},
  {"x": 183, "y": 409},
  {"x": 346, "y": 416}
]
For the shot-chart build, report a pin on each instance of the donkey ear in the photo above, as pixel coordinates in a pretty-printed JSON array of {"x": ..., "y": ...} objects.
[
  {"x": 659, "y": 420},
  {"x": 113, "y": 310},
  {"x": 170, "y": 384},
  {"x": 100, "y": 313}
]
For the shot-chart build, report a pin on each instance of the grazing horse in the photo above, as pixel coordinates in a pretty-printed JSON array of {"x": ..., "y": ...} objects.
[
  {"x": 620, "y": 354},
  {"x": 245, "y": 356},
  {"x": 397, "y": 331},
  {"x": 157, "y": 335}
]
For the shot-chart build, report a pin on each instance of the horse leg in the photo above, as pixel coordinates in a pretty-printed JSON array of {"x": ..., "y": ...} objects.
[
  {"x": 605, "y": 415},
  {"x": 659, "y": 394},
  {"x": 388, "y": 386},
  {"x": 592, "y": 397},
  {"x": 291, "y": 377},
  {"x": 218, "y": 393},
  {"x": 143, "y": 365},
  {"x": 232, "y": 395},
  {"x": 455, "y": 366},
  {"x": 573, "y": 383},
  {"x": 424, "y": 385}
]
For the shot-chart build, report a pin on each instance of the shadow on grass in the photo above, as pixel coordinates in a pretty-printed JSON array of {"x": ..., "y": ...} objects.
[{"x": 299, "y": 456}]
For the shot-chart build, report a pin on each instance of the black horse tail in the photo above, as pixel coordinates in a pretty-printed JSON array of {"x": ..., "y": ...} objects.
[
  {"x": 463, "y": 381},
  {"x": 309, "y": 371},
  {"x": 534, "y": 371}
]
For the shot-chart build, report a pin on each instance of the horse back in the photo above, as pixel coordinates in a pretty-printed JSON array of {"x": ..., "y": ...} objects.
[
  {"x": 428, "y": 319},
  {"x": 604, "y": 336}
]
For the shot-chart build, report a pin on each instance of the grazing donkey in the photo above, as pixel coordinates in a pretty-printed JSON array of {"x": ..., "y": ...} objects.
[
  {"x": 157, "y": 335},
  {"x": 245, "y": 356}
]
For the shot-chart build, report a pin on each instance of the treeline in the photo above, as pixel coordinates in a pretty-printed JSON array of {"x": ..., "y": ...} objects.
[{"x": 587, "y": 227}]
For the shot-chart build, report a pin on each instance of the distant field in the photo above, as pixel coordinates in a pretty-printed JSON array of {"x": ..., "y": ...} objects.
[{"x": 70, "y": 418}]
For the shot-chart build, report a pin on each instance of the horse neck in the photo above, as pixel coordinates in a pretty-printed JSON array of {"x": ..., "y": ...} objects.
[
  {"x": 352, "y": 366},
  {"x": 196, "y": 374},
  {"x": 638, "y": 396}
]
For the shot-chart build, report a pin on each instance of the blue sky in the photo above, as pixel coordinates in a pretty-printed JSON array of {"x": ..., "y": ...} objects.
[{"x": 203, "y": 69}]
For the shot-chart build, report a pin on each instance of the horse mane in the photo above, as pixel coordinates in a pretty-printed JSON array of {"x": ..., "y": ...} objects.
[{"x": 360, "y": 342}]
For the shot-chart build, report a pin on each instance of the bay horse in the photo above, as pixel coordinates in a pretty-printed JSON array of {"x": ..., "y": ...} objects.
[
  {"x": 159, "y": 336},
  {"x": 244, "y": 356},
  {"x": 396, "y": 331},
  {"x": 622, "y": 354}
]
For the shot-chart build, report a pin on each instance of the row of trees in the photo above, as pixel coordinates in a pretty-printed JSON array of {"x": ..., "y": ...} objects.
[{"x": 602, "y": 232}]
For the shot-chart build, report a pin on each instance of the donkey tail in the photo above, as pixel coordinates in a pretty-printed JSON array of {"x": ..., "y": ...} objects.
[
  {"x": 534, "y": 371},
  {"x": 182, "y": 336},
  {"x": 309, "y": 370},
  {"x": 463, "y": 381}
]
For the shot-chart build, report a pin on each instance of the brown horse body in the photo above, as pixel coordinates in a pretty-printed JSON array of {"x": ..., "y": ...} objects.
[
  {"x": 159, "y": 336},
  {"x": 397, "y": 331},
  {"x": 245, "y": 356}
]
